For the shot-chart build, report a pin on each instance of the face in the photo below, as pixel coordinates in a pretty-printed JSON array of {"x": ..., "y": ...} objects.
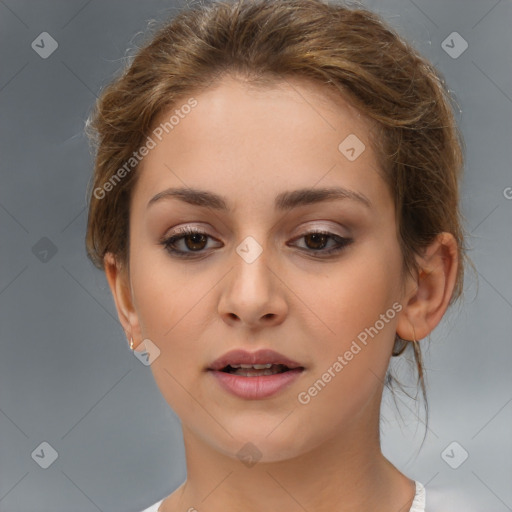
[{"x": 313, "y": 277}]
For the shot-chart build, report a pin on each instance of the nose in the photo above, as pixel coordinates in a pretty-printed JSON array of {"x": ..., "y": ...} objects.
[{"x": 253, "y": 293}]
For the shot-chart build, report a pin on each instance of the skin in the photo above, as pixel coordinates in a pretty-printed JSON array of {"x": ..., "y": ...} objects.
[{"x": 248, "y": 144}]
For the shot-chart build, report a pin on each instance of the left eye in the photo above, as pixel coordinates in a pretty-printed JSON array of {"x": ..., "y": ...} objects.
[
  {"x": 320, "y": 238},
  {"x": 195, "y": 242}
]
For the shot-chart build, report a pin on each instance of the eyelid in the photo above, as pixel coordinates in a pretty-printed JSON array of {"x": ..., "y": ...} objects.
[
  {"x": 185, "y": 230},
  {"x": 302, "y": 231},
  {"x": 331, "y": 226},
  {"x": 341, "y": 242}
]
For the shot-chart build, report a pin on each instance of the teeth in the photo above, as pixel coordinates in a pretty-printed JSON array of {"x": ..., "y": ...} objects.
[
  {"x": 255, "y": 366},
  {"x": 252, "y": 372}
]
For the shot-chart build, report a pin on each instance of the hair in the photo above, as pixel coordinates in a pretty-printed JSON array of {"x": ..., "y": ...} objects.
[{"x": 349, "y": 50}]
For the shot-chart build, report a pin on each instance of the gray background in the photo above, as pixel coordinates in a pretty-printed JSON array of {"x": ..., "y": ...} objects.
[{"x": 66, "y": 375}]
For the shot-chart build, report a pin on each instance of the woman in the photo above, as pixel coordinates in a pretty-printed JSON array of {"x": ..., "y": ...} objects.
[{"x": 275, "y": 206}]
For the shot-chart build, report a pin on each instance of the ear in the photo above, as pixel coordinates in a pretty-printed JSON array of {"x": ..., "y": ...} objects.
[
  {"x": 431, "y": 289},
  {"x": 119, "y": 282}
]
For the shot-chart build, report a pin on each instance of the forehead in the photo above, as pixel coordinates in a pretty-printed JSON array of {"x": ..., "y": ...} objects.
[{"x": 243, "y": 137}]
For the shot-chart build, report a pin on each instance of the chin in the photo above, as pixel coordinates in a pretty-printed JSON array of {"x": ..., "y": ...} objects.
[{"x": 256, "y": 445}]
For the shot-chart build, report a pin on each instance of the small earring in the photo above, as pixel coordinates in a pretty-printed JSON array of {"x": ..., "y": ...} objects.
[{"x": 131, "y": 343}]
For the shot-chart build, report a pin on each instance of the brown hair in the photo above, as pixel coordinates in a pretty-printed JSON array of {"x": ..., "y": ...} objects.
[{"x": 348, "y": 49}]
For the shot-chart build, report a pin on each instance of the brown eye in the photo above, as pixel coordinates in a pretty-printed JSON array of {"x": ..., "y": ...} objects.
[
  {"x": 197, "y": 241},
  {"x": 317, "y": 240},
  {"x": 192, "y": 241}
]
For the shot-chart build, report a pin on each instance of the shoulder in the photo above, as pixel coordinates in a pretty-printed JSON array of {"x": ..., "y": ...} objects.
[
  {"x": 154, "y": 507},
  {"x": 170, "y": 501},
  {"x": 418, "y": 504}
]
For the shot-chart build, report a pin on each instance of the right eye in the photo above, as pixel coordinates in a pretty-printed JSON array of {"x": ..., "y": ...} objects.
[{"x": 196, "y": 241}]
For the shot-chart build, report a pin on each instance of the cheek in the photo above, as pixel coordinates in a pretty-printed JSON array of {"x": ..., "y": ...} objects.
[
  {"x": 352, "y": 295},
  {"x": 355, "y": 303},
  {"x": 167, "y": 303},
  {"x": 164, "y": 292}
]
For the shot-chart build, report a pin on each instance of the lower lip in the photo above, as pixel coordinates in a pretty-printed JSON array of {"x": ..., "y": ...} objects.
[{"x": 254, "y": 388}]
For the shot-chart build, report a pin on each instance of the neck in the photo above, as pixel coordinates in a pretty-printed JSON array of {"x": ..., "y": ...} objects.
[{"x": 346, "y": 473}]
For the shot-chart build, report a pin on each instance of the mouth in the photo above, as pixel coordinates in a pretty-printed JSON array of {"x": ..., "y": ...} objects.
[
  {"x": 256, "y": 381},
  {"x": 257, "y": 370},
  {"x": 254, "y": 375},
  {"x": 254, "y": 364}
]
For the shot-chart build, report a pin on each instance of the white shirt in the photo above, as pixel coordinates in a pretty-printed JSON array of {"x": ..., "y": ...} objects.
[{"x": 418, "y": 504}]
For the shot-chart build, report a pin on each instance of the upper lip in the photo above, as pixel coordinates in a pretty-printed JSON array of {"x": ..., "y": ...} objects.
[{"x": 263, "y": 356}]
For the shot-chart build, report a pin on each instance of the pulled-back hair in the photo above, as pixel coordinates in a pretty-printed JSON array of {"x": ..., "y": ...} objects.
[{"x": 347, "y": 49}]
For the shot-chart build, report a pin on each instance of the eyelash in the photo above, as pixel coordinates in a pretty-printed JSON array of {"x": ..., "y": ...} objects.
[{"x": 169, "y": 243}]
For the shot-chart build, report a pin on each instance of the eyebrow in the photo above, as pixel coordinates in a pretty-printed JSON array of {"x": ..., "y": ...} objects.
[{"x": 283, "y": 201}]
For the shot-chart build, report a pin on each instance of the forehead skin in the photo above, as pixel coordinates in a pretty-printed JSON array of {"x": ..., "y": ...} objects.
[{"x": 253, "y": 139}]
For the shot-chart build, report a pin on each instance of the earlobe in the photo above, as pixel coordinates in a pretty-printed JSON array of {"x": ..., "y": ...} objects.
[
  {"x": 118, "y": 281},
  {"x": 435, "y": 281}
]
